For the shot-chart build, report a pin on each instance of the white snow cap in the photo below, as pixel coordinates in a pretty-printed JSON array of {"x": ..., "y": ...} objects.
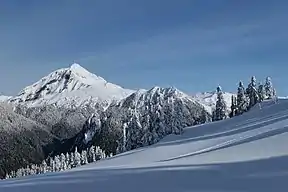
[{"x": 69, "y": 85}]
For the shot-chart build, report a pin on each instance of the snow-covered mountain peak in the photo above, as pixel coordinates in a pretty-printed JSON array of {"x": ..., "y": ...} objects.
[
  {"x": 165, "y": 91},
  {"x": 83, "y": 73},
  {"x": 156, "y": 95},
  {"x": 73, "y": 84}
]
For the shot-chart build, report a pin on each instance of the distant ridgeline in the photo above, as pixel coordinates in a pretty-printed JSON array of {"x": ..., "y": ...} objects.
[{"x": 245, "y": 99}]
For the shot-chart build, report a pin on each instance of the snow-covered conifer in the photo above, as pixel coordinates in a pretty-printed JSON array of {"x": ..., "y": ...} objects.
[
  {"x": 242, "y": 100},
  {"x": 124, "y": 137},
  {"x": 221, "y": 108},
  {"x": 92, "y": 155},
  {"x": 72, "y": 160},
  {"x": 77, "y": 158},
  {"x": 268, "y": 86},
  {"x": 84, "y": 159},
  {"x": 67, "y": 159},
  {"x": 233, "y": 106},
  {"x": 43, "y": 167},
  {"x": 52, "y": 165},
  {"x": 63, "y": 162},
  {"x": 252, "y": 92},
  {"x": 57, "y": 163},
  {"x": 261, "y": 92}
]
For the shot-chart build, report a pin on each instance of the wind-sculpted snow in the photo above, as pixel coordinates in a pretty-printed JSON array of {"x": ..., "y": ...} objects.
[{"x": 244, "y": 153}]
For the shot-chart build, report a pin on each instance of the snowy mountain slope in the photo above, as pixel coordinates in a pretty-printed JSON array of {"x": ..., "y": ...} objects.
[
  {"x": 244, "y": 153},
  {"x": 208, "y": 99},
  {"x": 146, "y": 116},
  {"x": 4, "y": 98},
  {"x": 72, "y": 86},
  {"x": 21, "y": 139}
]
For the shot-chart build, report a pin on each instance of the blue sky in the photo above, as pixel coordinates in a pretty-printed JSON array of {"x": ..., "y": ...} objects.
[{"x": 194, "y": 45}]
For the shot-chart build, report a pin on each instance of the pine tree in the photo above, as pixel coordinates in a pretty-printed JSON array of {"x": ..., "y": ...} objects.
[
  {"x": 72, "y": 160},
  {"x": 92, "y": 155},
  {"x": 84, "y": 160},
  {"x": 269, "y": 88},
  {"x": 68, "y": 161},
  {"x": 52, "y": 165},
  {"x": 252, "y": 93},
  {"x": 233, "y": 106},
  {"x": 261, "y": 92},
  {"x": 221, "y": 108},
  {"x": 242, "y": 101},
  {"x": 43, "y": 167},
  {"x": 63, "y": 162},
  {"x": 124, "y": 137},
  {"x": 57, "y": 163},
  {"x": 77, "y": 158}
]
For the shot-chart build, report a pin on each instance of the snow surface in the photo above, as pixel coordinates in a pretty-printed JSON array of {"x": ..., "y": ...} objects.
[
  {"x": 208, "y": 99},
  {"x": 244, "y": 153},
  {"x": 4, "y": 98},
  {"x": 73, "y": 86}
]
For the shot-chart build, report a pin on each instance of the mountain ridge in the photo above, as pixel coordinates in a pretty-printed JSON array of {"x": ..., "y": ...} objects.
[{"x": 66, "y": 86}]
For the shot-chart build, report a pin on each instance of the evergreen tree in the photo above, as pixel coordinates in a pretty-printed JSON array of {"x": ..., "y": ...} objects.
[
  {"x": 124, "y": 137},
  {"x": 84, "y": 160},
  {"x": 221, "y": 108},
  {"x": 63, "y": 162},
  {"x": 252, "y": 92},
  {"x": 269, "y": 88},
  {"x": 68, "y": 161},
  {"x": 57, "y": 163},
  {"x": 52, "y": 165},
  {"x": 19, "y": 172},
  {"x": 77, "y": 158},
  {"x": 43, "y": 167},
  {"x": 261, "y": 92},
  {"x": 242, "y": 100},
  {"x": 92, "y": 155},
  {"x": 72, "y": 160},
  {"x": 233, "y": 106}
]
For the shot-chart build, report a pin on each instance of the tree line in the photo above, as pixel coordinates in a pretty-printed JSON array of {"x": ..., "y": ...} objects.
[
  {"x": 61, "y": 162},
  {"x": 246, "y": 98}
]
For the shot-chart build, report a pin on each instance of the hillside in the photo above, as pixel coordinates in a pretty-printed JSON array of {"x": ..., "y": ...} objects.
[
  {"x": 21, "y": 140},
  {"x": 245, "y": 153},
  {"x": 145, "y": 116}
]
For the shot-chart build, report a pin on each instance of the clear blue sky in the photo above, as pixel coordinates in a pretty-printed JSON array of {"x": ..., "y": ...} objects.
[{"x": 191, "y": 44}]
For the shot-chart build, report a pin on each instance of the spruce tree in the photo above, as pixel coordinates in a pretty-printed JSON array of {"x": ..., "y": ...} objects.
[
  {"x": 242, "y": 101},
  {"x": 44, "y": 166},
  {"x": 57, "y": 163},
  {"x": 269, "y": 88},
  {"x": 252, "y": 93},
  {"x": 261, "y": 92},
  {"x": 221, "y": 108},
  {"x": 84, "y": 157},
  {"x": 77, "y": 157},
  {"x": 92, "y": 155},
  {"x": 233, "y": 106}
]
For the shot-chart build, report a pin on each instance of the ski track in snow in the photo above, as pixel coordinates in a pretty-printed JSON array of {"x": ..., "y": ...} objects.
[{"x": 245, "y": 153}]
